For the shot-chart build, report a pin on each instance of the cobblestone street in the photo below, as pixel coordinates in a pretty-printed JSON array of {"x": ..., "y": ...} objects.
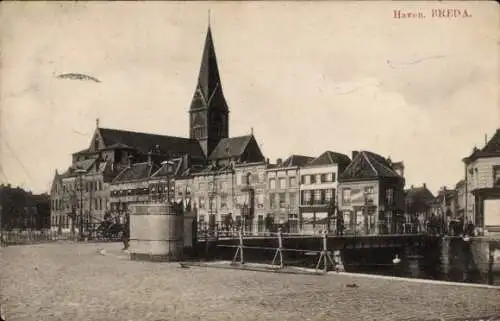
[{"x": 68, "y": 281}]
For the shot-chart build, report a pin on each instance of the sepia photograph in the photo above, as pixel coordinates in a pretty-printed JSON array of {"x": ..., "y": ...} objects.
[{"x": 250, "y": 160}]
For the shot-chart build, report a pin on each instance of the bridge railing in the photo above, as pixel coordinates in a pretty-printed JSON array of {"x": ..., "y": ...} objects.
[
  {"x": 323, "y": 258},
  {"x": 221, "y": 230}
]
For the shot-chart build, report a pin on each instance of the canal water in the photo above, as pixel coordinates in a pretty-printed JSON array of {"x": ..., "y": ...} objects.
[{"x": 455, "y": 263}]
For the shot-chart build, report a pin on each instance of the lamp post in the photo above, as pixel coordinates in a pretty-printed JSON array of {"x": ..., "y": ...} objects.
[
  {"x": 80, "y": 173},
  {"x": 365, "y": 212},
  {"x": 167, "y": 165}
]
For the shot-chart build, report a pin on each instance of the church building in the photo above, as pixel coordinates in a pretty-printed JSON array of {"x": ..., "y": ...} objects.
[{"x": 120, "y": 163}]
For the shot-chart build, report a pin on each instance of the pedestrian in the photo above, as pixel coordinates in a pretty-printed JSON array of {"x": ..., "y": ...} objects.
[
  {"x": 126, "y": 232},
  {"x": 469, "y": 229}
]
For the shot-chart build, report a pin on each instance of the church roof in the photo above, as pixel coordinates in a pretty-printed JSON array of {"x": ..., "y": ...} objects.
[
  {"x": 144, "y": 142},
  {"x": 208, "y": 93},
  {"x": 297, "y": 160},
  {"x": 368, "y": 165},
  {"x": 491, "y": 149},
  {"x": 329, "y": 158},
  {"x": 231, "y": 147}
]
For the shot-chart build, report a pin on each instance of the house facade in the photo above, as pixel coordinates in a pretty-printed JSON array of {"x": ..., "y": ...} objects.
[
  {"x": 419, "y": 202},
  {"x": 371, "y": 195},
  {"x": 482, "y": 185},
  {"x": 283, "y": 183},
  {"x": 318, "y": 190}
]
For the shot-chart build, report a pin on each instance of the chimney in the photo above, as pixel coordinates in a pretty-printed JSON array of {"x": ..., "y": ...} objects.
[
  {"x": 412, "y": 186},
  {"x": 354, "y": 154},
  {"x": 485, "y": 139},
  {"x": 267, "y": 161},
  {"x": 425, "y": 185},
  {"x": 279, "y": 161}
]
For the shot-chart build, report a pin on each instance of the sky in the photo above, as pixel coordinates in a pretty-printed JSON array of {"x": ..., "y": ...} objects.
[{"x": 307, "y": 76}]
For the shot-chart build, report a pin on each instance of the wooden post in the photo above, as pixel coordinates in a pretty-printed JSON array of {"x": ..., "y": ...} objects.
[
  {"x": 325, "y": 251},
  {"x": 239, "y": 249},
  {"x": 325, "y": 256},
  {"x": 279, "y": 250},
  {"x": 241, "y": 246}
]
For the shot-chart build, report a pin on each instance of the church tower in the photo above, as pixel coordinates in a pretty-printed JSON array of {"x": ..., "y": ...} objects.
[{"x": 209, "y": 114}]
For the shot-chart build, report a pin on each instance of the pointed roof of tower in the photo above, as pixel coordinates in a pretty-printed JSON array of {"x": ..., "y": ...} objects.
[{"x": 208, "y": 93}]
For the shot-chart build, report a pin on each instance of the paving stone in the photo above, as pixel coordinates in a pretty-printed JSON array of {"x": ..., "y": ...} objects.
[{"x": 75, "y": 282}]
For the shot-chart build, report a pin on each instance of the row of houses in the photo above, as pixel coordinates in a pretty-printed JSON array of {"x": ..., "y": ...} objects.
[
  {"x": 475, "y": 199},
  {"x": 21, "y": 209},
  {"x": 366, "y": 192}
]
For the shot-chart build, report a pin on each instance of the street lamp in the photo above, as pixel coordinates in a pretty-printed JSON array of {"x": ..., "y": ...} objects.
[
  {"x": 167, "y": 165},
  {"x": 365, "y": 211},
  {"x": 80, "y": 173}
]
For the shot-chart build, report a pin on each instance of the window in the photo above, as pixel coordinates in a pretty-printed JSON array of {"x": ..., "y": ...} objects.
[
  {"x": 307, "y": 197},
  {"x": 306, "y": 179},
  {"x": 272, "y": 200},
  {"x": 213, "y": 204},
  {"x": 293, "y": 199},
  {"x": 369, "y": 193},
  {"x": 260, "y": 223},
  {"x": 282, "y": 200},
  {"x": 201, "y": 202},
  {"x": 249, "y": 179},
  {"x": 292, "y": 181},
  {"x": 223, "y": 186},
  {"x": 317, "y": 196},
  {"x": 328, "y": 195},
  {"x": 313, "y": 179},
  {"x": 282, "y": 183},
  {"x": 346, "y": 196},
  {"x": 389, "y": 196},
  {"x": 238, "y": 179},
  {"x": 260, "y": 201},
  {"x": 223, "y": 201},
  {"x": 272, "y": 183},
  {"x": 318, "y": 178},
  {"x": 496, "y": 175}
]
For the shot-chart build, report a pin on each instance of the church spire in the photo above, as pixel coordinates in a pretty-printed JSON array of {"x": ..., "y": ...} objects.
[{"x": 208, "y": 93}]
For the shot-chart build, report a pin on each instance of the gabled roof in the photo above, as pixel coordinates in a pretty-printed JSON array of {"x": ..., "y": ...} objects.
[
  {"x": 491, "y": 149},
  {"x": 230, "y": 147},
  {"x": 297, "y": 160},
  {"x": 368, "y": 165},
  {"x": 144, "y": 142},
  {"x": 208, "y": 93},
  {"x": 330, "y": 158},
  {"x": 137, "y": 171},
  {"x": 419, "y": 194},
  {"x": 446, "y": 194}
]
